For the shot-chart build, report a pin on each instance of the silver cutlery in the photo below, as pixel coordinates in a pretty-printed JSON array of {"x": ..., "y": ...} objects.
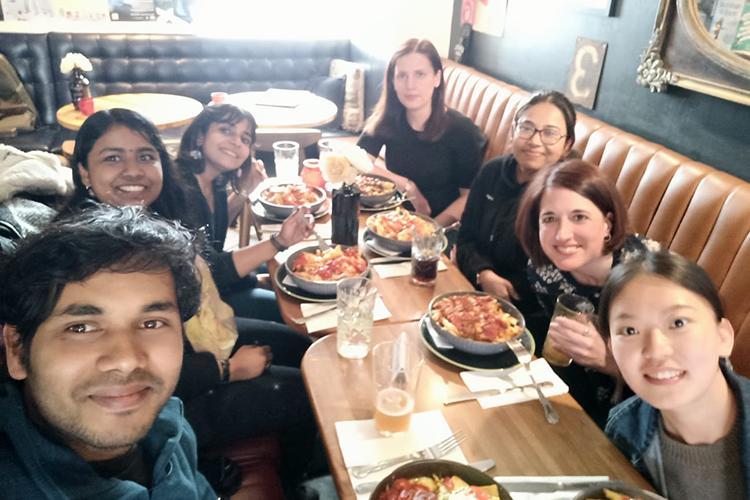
[
  {"x": 481, "y": 465},
  {"x": 468, "y": 396},
  {"x": 303, "y": 320},
  {"x": 524, "y": 357},
  {"x": 322, "y": 244},
  {"x": 532, "y": 484},
  {"x": 437, "y": 450}
]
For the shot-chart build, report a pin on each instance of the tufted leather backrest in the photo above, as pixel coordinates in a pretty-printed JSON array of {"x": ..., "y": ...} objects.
[
  {"x": 194, "y": 66},
  {"x": 29, "y": 56},
  {"x": 692, "y": 208}
]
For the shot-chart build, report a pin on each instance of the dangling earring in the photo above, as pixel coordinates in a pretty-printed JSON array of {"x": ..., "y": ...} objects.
[{"x": 196, "y": 154}]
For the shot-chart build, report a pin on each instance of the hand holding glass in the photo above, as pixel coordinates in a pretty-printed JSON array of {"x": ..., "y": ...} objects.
[{"x": 571, "y": 306}]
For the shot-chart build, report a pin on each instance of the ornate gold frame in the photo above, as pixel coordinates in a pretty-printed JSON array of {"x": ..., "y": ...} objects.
[{"x": 682, "y": 53}]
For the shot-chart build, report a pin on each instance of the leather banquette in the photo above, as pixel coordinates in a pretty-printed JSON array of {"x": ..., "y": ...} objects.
[{"x": 688, "y": 206}]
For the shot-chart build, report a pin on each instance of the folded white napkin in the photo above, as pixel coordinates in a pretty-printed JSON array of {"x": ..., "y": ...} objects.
[
  {"x": 330, "y": 318},
  {"x": 479, "y": 381},
  {"x": 400, "y": 269},
  {"x": 324, "y": 230},
  {"x": 361, "y": 444},
  {"x": 510, "y": 482}
]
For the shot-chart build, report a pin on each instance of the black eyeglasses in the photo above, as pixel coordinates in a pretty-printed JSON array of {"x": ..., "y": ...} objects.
[{"x": 548, "y": 136}]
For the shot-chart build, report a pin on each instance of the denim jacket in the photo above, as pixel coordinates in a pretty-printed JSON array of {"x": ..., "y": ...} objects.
[{"x": 633, "y": 426}]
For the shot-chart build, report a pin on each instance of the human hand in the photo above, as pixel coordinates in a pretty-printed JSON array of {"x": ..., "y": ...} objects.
[
  {"x": 581, "y": 342},
  {"x": 251, "y": 177},
  {"x": 296, "y": 227},
  {"x": 417, "y": 199},
  {"x": 491, "y": 282},
  {"x": 249, "y": 361}
]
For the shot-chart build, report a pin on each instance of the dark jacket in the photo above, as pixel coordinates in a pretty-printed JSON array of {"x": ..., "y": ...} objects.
[
  {"x": 32, "y": 466},
  {"x": 633, "y": 426}
]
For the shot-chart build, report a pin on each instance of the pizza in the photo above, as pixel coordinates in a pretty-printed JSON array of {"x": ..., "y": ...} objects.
[
  {"x": 398, "y": 224},
  {"x": 290, "y": 195},
  {"x": 475, "y": 317},
  {"x": 438, "y": 488},
  {"x": 331, "y": 265}
]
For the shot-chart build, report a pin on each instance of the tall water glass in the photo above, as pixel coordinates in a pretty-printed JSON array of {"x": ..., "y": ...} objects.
[
  {"x": 355, "y": 300},
  {"x": 286, "y": 160}
]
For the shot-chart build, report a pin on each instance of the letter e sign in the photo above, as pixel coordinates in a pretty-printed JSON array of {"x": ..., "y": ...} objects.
[{"x": 585, "y": 71}]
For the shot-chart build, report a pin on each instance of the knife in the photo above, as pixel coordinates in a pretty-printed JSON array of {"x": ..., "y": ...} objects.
[
  {"x": 481, "y": 465},
  {"x": 532, "y": 484},
  {"x": 468, "y": 396}
]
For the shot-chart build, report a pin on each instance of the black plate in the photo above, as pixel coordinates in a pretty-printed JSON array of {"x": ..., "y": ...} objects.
[
  {"x": 371, "y": 243},
  {"x": 260, "y": 211},
  {"x": 499, "y": 361},
  {"x": 439, "y": 468},
  {"x": 297, "y": 292}
]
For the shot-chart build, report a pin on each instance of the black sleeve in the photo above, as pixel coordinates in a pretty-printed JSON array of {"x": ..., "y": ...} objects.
[
  {"x": 469, "y": 144},
  {"x": 370, "y": 143},
  {"x": 224, "y": 272},
  {"x": 470, "y": 259},
  {"x": 199, "y": 373}
]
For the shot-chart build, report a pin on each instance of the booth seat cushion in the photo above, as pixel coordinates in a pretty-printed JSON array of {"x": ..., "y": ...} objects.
[{"x": 691, "y": 208}]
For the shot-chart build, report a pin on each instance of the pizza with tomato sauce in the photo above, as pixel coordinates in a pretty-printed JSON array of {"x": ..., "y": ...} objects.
[
  {"x": 475, "y": 317},
  {"x": 398, "y": 224},
  {"x": 438, "y": 488},
  {"x": 329, "y": 265},
  {"x": 290, "y": 195}
]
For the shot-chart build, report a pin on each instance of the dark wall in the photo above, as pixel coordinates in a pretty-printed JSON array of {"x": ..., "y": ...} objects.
[{"x": 536, "y": 50}]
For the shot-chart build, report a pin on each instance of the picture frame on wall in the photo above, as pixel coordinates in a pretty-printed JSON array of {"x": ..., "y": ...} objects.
[{"x": 604, "y": 8}]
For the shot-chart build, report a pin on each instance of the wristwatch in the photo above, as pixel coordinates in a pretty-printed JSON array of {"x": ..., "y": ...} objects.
[{"x": 276, "y": 243}]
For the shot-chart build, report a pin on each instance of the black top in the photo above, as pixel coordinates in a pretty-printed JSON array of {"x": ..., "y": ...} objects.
[
  {"x": 214, "y": 226},
  {"x": 438, "y": 168},
  {"x": 487, "y": 239}
]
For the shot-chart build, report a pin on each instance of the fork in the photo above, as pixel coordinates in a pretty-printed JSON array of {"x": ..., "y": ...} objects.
[
  {"x": 524, "y": 357},
  {"x": 437, "y": 450},
  {"x": 322, "y": 244}
]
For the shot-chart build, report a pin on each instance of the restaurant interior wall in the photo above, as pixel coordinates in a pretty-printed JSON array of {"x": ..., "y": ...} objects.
[
  {"x": 536, "y": 50},
  {"x": 377, "y": 26}
]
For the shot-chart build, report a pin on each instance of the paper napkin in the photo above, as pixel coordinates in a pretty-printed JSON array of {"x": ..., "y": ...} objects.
[
  {"x": 361, "y": 444},
  {"x": 400, "y": 269},
  {"x": 479, "y": 381},
  {"x": 330, "y": 318}
]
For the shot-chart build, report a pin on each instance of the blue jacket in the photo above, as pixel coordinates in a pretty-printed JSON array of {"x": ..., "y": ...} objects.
[
  {"x": 32, "y": 466},
  {"x": 633, "y": 427}
]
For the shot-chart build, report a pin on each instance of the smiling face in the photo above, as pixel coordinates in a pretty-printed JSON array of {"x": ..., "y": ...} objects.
[
  {"x": 103, "y": 364},
  {"x": 532, "y": 155},
  {"x": 414, "y": 81},
  {"x": 667, "y": 341},
  {"x": 123, "y": 168},
  {"x": 571, "y": 229},
  {"x": 225, "y": 146}
]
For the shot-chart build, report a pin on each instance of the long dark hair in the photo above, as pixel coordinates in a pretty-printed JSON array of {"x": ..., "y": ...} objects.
[
  {"x": 559, "y": 101},
  {"x": 191, "y": 164},
  {"x": 389, "y": 113},
  {"x": 667, "y": 265},
  {"x": 171, "y": 202}
]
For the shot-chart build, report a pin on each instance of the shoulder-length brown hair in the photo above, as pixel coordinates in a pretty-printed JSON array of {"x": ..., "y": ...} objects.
[
  {"x": 389, "y": 111},
  {"x": 580, "y": 177}
]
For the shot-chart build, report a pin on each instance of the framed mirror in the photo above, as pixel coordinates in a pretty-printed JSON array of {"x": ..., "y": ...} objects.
[{"x": 701, "y": 45}]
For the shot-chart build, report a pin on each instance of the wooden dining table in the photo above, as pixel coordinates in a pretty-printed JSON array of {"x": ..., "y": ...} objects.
[{"x": 517, "y": 437}]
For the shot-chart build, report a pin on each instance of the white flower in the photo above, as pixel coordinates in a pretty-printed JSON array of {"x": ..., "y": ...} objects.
[
  {"x": 74, "y": 60},
  {"x": 344, "y": 163}
]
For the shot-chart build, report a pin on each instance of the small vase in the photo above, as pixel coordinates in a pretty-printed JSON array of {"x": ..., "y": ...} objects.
[
  {"x": 345, "y": 215},
  {"x": 79, "y": 86}
]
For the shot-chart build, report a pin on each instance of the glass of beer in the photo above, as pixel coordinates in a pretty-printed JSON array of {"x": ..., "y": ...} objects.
[
  {"x": 396, "y": 376},
  {"x": 571, "y": 306},
  {"x": 425, "y": 255}
]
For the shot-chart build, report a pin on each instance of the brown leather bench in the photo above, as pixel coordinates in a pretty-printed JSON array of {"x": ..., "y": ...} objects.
[{"x": 692, "y": 208}]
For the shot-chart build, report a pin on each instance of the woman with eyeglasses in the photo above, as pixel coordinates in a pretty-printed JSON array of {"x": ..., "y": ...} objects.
[
  {"x": 489, "y": 253},
  {"x": 432, "y": 153}
]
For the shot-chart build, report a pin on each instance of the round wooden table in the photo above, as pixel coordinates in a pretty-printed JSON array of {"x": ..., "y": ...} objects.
[
  {"x": 286, "y": 108},
  {"x": 164, "y": 110}
]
